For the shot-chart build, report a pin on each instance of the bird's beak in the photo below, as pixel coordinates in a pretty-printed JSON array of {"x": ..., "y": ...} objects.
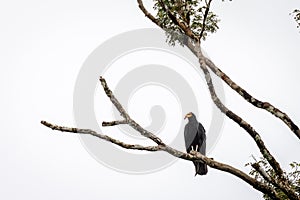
[{"x": 186, "y": 116}]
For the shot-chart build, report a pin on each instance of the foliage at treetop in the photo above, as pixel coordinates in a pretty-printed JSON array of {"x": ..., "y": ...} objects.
[
  {"x": 293, "y": 176},
  {"x": 189, "y": 12},
  {"x": 296, "y": 14}
]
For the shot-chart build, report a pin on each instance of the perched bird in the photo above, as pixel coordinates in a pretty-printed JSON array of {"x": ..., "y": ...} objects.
[{"x": 195, "y": 139}]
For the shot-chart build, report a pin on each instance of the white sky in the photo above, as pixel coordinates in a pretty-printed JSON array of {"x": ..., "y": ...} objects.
[{"x": 43, "y": 46}]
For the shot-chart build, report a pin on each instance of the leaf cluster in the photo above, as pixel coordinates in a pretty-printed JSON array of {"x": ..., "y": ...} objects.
[
  {"x": 296, "y": 14},
  {"x": 189, "y": 12},
  {"x": 293, "y": 177}
]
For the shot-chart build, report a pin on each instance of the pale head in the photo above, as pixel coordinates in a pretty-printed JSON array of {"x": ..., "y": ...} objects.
[{"x": 188, "y": 115}]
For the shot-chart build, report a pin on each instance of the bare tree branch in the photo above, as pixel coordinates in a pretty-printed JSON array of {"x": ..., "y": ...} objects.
[
  {"x": 246, "y": 126},
  {"x": 248, "y": 97},
  {"x": 101, "y": 136},
  {"x": 114, "y": 123},
  {"x": 282, "y": 182},
  {"x": 124, "y": 114}
]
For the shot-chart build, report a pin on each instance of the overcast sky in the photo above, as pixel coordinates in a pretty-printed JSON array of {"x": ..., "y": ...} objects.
[{"x": 45, "y": 44}]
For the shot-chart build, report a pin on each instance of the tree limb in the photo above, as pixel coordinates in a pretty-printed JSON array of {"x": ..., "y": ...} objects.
[
  {"x": 184, "y": 27},
  {"x": 193, "y": 156},
  {"x": 262, "y": 172},
  {"x": 148, "y": 14},
  {"x": 124, "y": 114},
  {"x": 204, "y": 18},
  {"x": 255, "y": 102},
  {"x": 101, "y": 136},
  {"x": 281, "y": 182},
  {"x": 196, "y": 156},
  {"x": 114, "y": 123}
]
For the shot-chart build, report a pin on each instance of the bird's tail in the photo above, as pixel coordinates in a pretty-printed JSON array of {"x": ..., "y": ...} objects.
[{"x": 201, "y": 168}]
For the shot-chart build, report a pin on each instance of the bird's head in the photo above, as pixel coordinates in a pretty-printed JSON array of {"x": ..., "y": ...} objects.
[{"x": 190, "y": 114}]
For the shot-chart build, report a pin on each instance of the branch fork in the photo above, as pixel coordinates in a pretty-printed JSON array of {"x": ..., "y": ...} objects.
[{"x": 160, "y": 145}]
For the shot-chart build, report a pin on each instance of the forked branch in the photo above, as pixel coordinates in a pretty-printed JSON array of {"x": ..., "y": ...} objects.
[{"x": 160, "y": 146}]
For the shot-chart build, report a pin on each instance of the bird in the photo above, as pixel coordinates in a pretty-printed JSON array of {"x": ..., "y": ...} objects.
[{"x": 195, "y": 139}]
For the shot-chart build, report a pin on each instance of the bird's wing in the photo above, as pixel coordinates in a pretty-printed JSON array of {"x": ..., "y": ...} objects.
[
  {"x": 190, "y": 132},
  {"x": 202, "y": 139}
]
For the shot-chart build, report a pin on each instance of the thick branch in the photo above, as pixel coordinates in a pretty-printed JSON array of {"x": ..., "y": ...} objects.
[
  {"x": 281, "y": 182},
  {"x": 248, "y": 97},
  {"x": 246, "y": 126},
  {"x": 192, "y": 157}
]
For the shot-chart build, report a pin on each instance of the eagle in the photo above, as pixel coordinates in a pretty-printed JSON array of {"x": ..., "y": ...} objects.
[{"x": 195, "y": 139}]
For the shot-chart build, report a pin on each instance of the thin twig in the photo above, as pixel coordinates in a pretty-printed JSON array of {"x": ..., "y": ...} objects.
[
  {"x": 279, "y": 184},
  {"x": 148, "y": 14},
  {"x": 204, "y": 18},
  {"x": 114, "y": 123}
]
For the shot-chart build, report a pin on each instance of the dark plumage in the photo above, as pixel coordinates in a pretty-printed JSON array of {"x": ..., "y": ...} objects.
[{"x": 195, "y": 139}]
